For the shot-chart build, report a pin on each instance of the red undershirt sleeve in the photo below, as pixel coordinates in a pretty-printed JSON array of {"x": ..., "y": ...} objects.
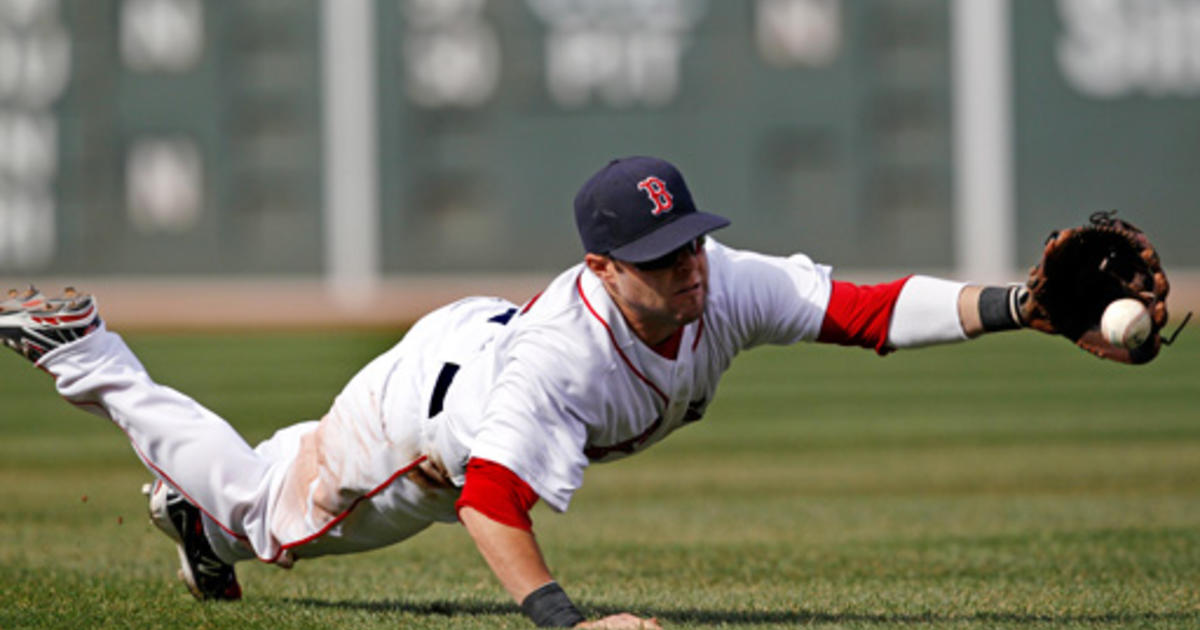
[
  {"x": 497, "y": 493},
  {"x": 859, "y": 315}
]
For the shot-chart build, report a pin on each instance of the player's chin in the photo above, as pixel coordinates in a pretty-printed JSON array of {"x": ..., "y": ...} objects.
[{"x": 689, "y": 306}]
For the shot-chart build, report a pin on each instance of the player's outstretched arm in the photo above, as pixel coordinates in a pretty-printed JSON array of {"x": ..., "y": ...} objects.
[
  {"x": 917, "y": 311},
  {"x": 514, "y": 556}
]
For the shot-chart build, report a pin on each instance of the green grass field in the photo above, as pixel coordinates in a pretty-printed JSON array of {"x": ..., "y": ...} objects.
[{"x": 1011, "y": 482}]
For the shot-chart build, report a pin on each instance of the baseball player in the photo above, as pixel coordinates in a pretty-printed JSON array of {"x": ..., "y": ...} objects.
[{"x": 486, "y": 407}]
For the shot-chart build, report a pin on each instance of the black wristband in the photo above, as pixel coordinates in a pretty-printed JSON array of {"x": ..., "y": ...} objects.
[
  {"x": 549, "y": 607},
  {"x": 998, "y": 308}
]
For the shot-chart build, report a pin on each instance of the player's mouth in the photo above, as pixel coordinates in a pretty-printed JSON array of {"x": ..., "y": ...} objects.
[{"x": 690, "y": 289}]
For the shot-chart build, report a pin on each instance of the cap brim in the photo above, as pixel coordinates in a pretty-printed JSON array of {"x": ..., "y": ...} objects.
[{"x": 669, "y": 237}]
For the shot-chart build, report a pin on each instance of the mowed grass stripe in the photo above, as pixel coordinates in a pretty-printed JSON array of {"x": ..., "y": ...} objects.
[{"x": 1010, "y": 482}]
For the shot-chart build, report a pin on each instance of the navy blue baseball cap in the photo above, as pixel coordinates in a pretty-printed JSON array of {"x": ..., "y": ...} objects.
[{"x": 637, "y": 209}]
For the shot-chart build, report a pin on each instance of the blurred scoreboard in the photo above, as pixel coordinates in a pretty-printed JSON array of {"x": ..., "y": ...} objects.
[
  {"x": 813, "y": 124},
  {"x": 182, "y": 136},
  {"x": 159, "y": 136}
]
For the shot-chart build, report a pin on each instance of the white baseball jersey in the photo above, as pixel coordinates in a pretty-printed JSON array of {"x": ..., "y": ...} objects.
[
  {"x": 567, "y": 383},
  {"x": 543, "y": 391}
]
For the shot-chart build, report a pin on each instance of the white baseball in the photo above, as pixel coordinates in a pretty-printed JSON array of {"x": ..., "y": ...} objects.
[{"x": 1125, "y": 323}]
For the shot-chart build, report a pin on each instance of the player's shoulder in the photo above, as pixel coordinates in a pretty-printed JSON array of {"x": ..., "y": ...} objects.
[
  {"x": 556, "y": 319},
  {"x": 727, "y": 260},
  {"x": 741, "y": 271},
  {"x": 553, "y": 305},
  {"x": 751, "y": 292}
]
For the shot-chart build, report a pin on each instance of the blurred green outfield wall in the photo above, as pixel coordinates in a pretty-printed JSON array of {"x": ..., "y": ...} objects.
[
  {"x": 832, "y": 137},
  {"x": 181, "y": 136},
  {"x": 159, "y": 137},
  {"x": 1107, "y": 102}
]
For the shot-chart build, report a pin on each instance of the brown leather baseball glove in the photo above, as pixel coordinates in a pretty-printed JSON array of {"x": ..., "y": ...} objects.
[{"x": 1083, "y": 269}]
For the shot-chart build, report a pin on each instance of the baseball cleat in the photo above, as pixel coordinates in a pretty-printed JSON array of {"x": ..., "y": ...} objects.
[
  {"x": 33, "y": 325},
  {"x": 207, "y": 576}
]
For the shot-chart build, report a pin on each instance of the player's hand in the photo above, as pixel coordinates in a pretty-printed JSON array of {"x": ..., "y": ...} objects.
[{"x": 623, "y": 621}]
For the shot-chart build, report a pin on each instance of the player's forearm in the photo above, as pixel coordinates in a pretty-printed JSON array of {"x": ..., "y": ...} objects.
[
  {"x": 984, "y": 309},
  {"x": 932, "y": 311},
  {"x": 968, "y": 310},
  {"x": 513, "y": 554}
]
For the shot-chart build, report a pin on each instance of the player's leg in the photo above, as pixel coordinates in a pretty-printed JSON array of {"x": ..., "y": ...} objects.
[
  {"x": 333, "y": 487},
  {"x": 213, "y": 470},
  {"x": 349, "y": 482},
  {"x": 180, "y": 440},
  {"x": 357, "y": 479}
]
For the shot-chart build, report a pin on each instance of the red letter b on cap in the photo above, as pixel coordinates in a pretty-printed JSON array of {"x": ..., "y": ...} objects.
[{"x": 656, "y": 190}]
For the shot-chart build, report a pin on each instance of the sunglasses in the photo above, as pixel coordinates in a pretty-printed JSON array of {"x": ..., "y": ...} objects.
[{"x": 668, "y": 260}]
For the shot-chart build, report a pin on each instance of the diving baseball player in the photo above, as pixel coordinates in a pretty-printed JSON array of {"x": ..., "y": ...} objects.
[{"x": 486, "y": 407}]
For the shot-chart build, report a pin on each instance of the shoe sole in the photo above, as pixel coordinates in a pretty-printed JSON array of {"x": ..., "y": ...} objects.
[{"x": 34, "y": 333}]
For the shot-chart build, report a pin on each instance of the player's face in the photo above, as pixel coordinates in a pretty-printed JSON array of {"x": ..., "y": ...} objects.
[{"x": 657, "y": 298}]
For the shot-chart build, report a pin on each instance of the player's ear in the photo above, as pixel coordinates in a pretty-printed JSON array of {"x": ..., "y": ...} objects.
[{"x": 602, "y": 266}]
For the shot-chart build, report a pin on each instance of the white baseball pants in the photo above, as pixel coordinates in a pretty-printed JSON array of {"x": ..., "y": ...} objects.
[{"x": 335, "y": 486}]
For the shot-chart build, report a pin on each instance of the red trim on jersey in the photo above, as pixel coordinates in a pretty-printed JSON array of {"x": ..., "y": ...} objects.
[
  {"x": 669, "y": 348},
  {"x": 497, "y": 493},
  {"x": 595, "y": 453},
  {"x": 611, "y": 336},
  {"x": 532, "y": 300},
  {"x": 699, "y": 333},
  {"x": 859, "y": 315}
]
